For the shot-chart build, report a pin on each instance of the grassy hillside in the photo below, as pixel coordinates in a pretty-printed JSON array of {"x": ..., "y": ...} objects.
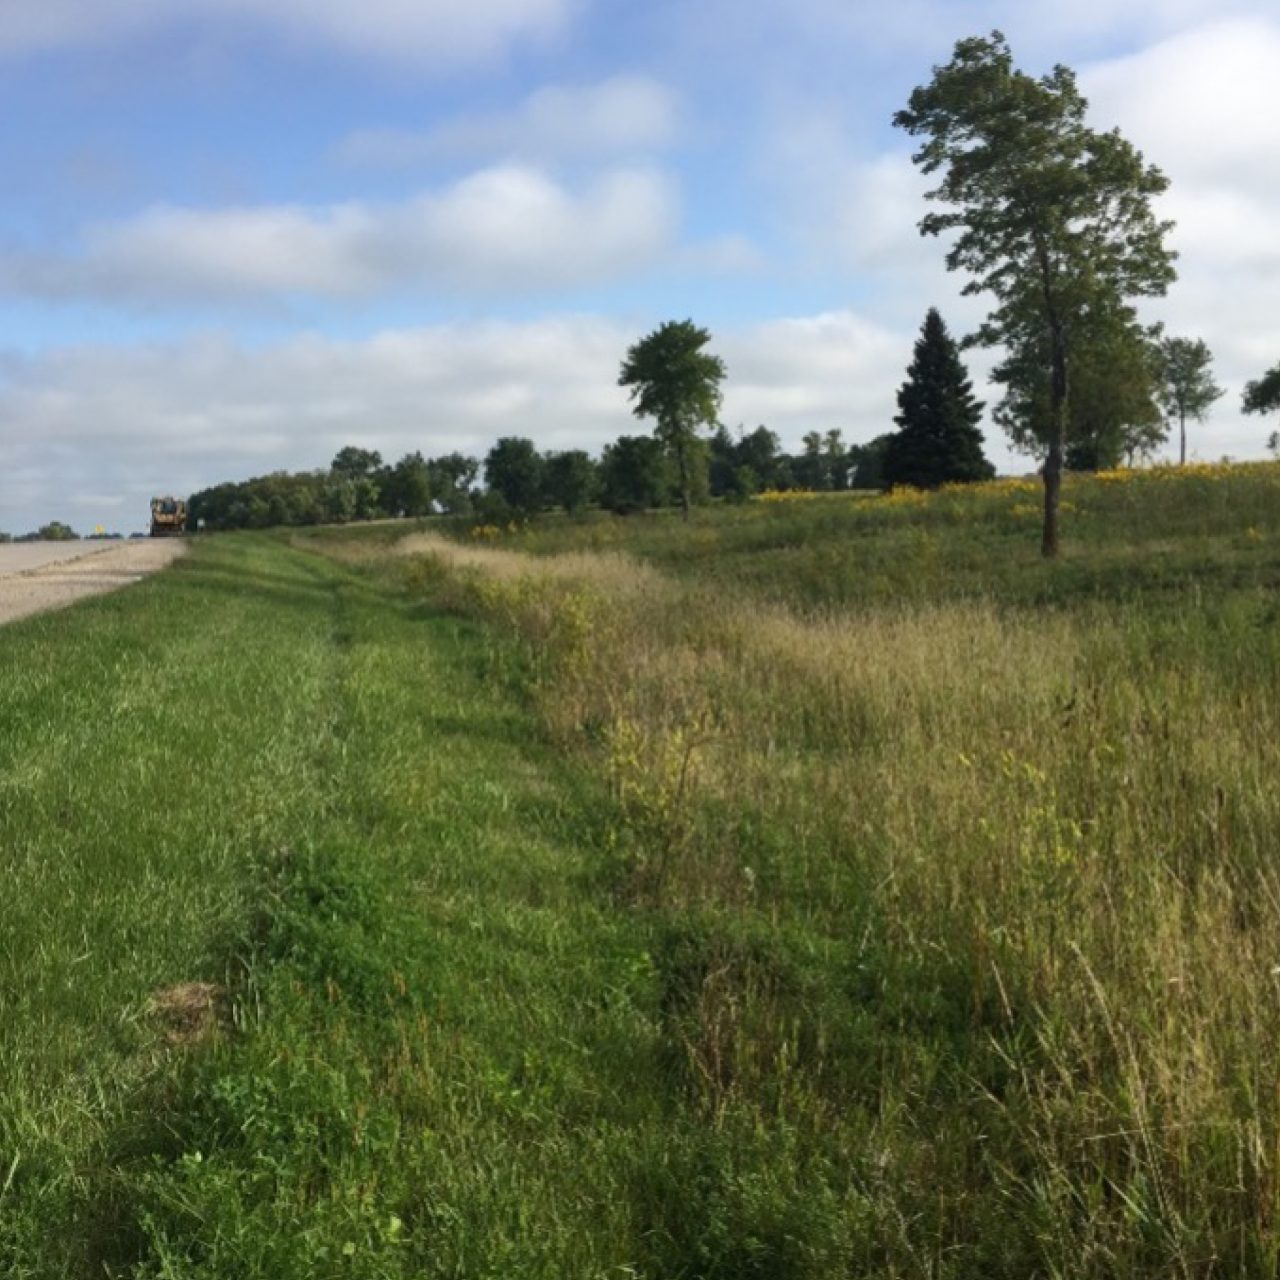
[
  {"x": 1204, "y": 527},
  {"x": 827, "y": 888}
]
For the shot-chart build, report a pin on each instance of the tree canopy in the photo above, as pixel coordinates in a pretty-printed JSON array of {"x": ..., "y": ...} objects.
[
  {"x": 674, "y": 381},
  {"x": 1112, "y": 414},
  {"x": 1049, "y": 216},
  {"x": 1187, "y": 386},
  {"x": 1262, "y": 395},
  {"x": 513, "y": 469}
]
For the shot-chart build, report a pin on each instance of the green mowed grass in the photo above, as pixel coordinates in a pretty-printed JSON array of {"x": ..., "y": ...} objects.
[{"x": 262, "y": 771}]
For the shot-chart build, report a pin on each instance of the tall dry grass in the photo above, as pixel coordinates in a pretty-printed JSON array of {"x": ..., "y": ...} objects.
[{"x": 1021, "y": 869}]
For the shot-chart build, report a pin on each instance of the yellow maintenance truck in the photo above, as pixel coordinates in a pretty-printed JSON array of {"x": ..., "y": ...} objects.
[{"x": 168, "y": 517}]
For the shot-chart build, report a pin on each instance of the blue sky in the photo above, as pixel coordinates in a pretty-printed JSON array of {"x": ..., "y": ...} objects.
[{"x": 238, "y": 238}]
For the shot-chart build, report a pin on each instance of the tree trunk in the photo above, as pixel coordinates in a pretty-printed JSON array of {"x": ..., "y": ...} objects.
[
  {"x": 683, "y": 462},
  {"x": 1182, "y": 423},
  {"x": 1058, "y": 400},
  {"x": 1057, "y": 449}
]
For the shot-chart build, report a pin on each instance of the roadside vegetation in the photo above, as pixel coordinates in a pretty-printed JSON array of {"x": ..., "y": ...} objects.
[
  {"x": 550, "y": 902},
  {"x": 975, "y": 897}
]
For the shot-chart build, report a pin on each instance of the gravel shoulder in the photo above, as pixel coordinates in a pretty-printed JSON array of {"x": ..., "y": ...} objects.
[{"x": 36, "y": 577}]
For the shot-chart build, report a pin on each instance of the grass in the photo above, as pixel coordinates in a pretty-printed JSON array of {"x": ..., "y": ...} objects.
[
  {"x": 1167, "y": 530},
  {"x": 619, "y": 900}
]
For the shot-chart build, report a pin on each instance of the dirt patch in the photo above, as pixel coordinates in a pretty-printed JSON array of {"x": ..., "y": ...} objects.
[
  {"x": 36, "y": 577},
  {"x": 190, "y": 1012}
]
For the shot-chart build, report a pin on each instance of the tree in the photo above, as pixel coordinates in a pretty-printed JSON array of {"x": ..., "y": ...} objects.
[
  {"x": 1052, "y": 218},
  {"x": 635, "y": 473},
  {"x": 355, "y": 464},
  {"x": 676, "y": 383},
  {"x": 867, "y": 461},
  {"x": 571, "y": 479},
  {"x": 810, "y": 465},
  {"x": 513, "y": 469},
  {"x": 1262, "y": 395},
  {"x": 836, "y": 458},
  {"x": 937, "y": 440},
  {"x": 1112, "y": 414},
  {"x": 745, "y": 465},
  {"x": 406, "y": 487},
  {"x": 1187, "y": 387},
  {"x": 453, "y": 479},
  {"x": 57, "y": 531},
  {"x": 339, "y": 501}
]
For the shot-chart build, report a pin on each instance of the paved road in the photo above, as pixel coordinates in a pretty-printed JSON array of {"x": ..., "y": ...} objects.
[{"x": 36, "y": 576}]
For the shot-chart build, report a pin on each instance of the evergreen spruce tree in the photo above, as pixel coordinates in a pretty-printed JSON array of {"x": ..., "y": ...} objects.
[{"x": 938, "y": 440}]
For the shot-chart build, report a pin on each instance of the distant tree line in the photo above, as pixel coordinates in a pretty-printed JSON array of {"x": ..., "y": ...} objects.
[
  {"x": 517, "y": 479},
  {"x": 54, "y": 531}
]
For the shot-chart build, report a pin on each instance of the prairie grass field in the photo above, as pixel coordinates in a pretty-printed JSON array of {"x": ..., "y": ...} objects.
[{"x": 826, "y": 887}]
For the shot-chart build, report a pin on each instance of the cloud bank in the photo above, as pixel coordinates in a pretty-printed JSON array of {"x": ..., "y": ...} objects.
[
  {"x": 511, "y": 228},
  {"x": 422, "y": 32}
]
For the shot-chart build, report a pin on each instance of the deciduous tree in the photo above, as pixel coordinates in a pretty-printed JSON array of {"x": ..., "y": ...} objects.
[
  {"x": 1187, "y": 386},
  {"x": 571, "y": 479},
  {"x": 406, "y": 487},
  {"x": 1113, "y": 413},
  {"x": 355, "y": 463},
  {"x": 635, "y": 473},
  {"x": 1049, "y": 216},
  {"x": 1262, "y": 395},
  {"x": 514, "y": 469},
  {"x": 453, "y": 478},
  {"x": 674, "y": 381}
]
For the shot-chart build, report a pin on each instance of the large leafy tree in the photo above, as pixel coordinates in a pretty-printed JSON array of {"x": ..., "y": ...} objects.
[
  {"x": 571, "y": 479},
  {"x": 515, "y": 470},
  {"x": 937, "y": 440},
  {"x": 1049, "y": 216},
  {"x": 1187, "y": 386},
  {"x": 676, "y": 382},
  {"x": 1262, "y": 395},
  {"x": 355, "y": 463},
  {"x": 406, "y": 487},
  {"x": 1112, "y": 414},
  {"x": 635, "y": 473},
  {"x": 452, "y": 479}
]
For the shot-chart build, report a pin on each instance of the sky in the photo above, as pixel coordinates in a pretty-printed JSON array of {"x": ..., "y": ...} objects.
[{"x": 240, "y": 234}]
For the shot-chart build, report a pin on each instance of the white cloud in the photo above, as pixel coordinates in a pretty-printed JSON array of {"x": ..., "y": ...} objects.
[
  {"x": 1202, "y": 104},
  {"x": 430, "y": 32},
  {"x": 509, "y": 228},
  {"x": 626, "y": 113}
]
